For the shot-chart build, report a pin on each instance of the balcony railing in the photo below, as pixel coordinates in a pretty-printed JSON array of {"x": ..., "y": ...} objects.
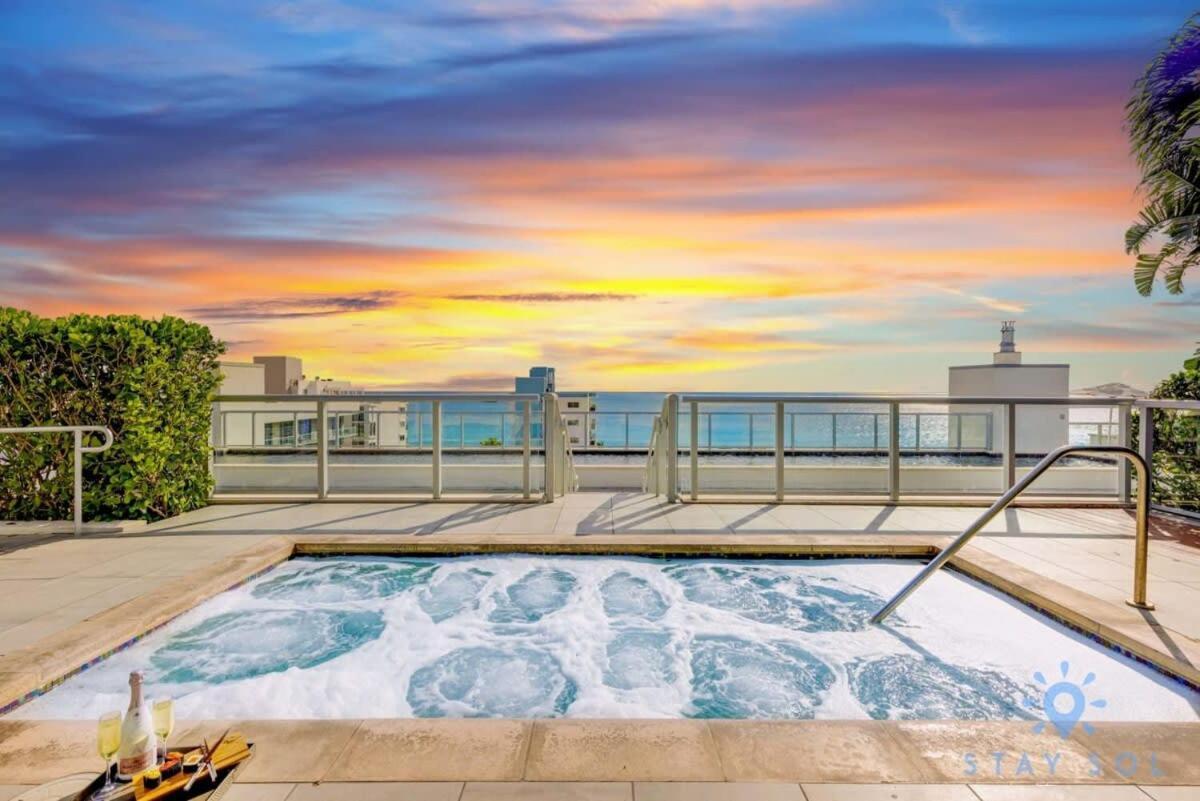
[
  {"x": 297, "y": 445},
  {"x": 1169, "y": 442},
  {"x": 896, "y": 432}
]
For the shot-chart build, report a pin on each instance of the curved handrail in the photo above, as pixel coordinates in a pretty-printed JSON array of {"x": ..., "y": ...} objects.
[
  {"x": 1141, "y": 543},
  {"x": 79, "y": 450}
]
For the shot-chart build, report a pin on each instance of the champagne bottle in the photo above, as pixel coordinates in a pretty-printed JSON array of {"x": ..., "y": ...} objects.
[{"x": 139, "y": 746}]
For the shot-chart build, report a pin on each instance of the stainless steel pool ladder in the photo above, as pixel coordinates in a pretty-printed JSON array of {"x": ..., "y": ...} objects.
[{"x": 1141, "y": 542}]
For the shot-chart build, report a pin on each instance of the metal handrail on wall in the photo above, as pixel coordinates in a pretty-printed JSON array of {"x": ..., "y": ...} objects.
[
  {"x": 1141, "y": 539},
  {"x": 79, "y": 450}
]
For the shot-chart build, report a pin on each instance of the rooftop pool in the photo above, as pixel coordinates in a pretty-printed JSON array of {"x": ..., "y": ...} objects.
[{"x": 523, "y": 636}]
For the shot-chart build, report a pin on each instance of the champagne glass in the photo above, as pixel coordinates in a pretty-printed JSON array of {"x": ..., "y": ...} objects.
[
  {"x": 108, "y": 742},
  {"x": 163, "y": 713}
]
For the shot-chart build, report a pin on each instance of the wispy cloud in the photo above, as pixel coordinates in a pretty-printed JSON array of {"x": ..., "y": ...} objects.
[
  {"x": 285, "y": 308},
  {"x": 956, "y": 17},
  {"x": 544, "y": 297}
]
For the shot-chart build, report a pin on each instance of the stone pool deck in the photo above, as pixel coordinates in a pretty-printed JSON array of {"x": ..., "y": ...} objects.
[{"x": 64, "y": 601}]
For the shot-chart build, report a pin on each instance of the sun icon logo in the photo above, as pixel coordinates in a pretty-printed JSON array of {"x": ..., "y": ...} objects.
[{"x": 1063, "y": 702}]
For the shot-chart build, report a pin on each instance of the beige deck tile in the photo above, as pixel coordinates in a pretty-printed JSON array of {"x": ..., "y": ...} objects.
[
  {"x": 257, "y": 792},
  {"x": 434, "y": 750},
  {"x": 889, "y": 792},
  {"x": 716, "y": 791},
  {"x": 1060, "y": 792},
  {"x": 605, "y": 750},
  {"x": 1154, "y": 753},
  {"x": 284, "y": 750},
  {"x": 1184, "y": 793},
  {"x": 867, "y": 518},
  {"x": 34, "y": 752},
  {"x": 49, "y": 596},
  {"x": 813, "y": 751},
  {"x": 377, "y": 791},
  {"x": 944, "y": 745},
  {"x": 584, "y": 521},
  {"x": 547, "y": 791}
]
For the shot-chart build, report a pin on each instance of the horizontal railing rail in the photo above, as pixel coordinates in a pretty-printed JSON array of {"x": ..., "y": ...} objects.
[
  {"x": 78, "y": 450},
  {"x": 908, "y": 400},
  {"x": 1141, "y": 536}
]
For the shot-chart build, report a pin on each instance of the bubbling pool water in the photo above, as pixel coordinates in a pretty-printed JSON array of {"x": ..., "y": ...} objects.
[{"x": 526, "y": 636}]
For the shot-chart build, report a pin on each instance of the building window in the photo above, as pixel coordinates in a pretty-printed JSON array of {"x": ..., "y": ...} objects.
[{"x": 280, "y": 433}]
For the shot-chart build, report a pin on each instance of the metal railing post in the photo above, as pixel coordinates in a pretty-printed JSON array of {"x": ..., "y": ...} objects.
[
  {"x": 672, "y": 449},
  {"x": 322, "y": 450},
  {"x": 694, "y": 450},
  {"x": 779, "y": 452},
  {"x": 1010, "y": 445},
  {"x": 526, "y": 481},
  {"x": 77, "y": 503},
  {"x": 1125, "y": 477},
  {"x": 894, "y": 451},
  {"x": 436, "y": 420},
  {"x": 1146, "y": 447},
  {"x": 549, "y": 429}
]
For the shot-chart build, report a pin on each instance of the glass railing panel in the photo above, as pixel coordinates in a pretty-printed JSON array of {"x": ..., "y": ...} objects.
[
  {"x": 836, "y": 449},
  {"x": 950, "y": 450},
  {"x": 1041, "y": 429},
  {"x": 264, "y": 449},
  {"x": 1176, "y": 483}
]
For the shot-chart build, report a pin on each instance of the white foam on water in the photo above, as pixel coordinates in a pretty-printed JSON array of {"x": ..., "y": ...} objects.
[{"x": 760, "y": 631}]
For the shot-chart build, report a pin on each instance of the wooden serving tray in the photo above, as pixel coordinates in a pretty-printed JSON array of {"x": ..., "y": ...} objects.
[{"x": 229, "y": 756}]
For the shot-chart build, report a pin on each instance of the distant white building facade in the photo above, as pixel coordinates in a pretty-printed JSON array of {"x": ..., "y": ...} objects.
[
  {"x": 249, "y": 424},
  {"x": 578, "y": 408},
  {"x": 1039, "y": 428}
]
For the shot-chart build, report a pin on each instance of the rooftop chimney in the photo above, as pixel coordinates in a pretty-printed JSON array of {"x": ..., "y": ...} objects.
[{"x": 1008, "y": 353}]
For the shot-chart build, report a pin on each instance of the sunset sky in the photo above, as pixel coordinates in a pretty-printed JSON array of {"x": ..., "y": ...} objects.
[{"x": 669, "y": 194}]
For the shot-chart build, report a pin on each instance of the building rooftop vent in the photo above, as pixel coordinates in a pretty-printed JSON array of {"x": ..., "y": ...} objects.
[{"x": 1008, "y": 353}]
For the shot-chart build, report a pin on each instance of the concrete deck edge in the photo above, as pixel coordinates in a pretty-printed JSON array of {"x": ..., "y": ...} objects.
[{"x": 814, "y": 751}]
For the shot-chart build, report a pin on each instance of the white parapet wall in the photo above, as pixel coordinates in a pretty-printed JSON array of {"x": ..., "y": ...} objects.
[{"x": 1089, "y": 480}]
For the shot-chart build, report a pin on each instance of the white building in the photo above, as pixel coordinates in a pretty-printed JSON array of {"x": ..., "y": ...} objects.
[
  {"x": 578, "y": 408},
  {"x": 1040, "y": 429},
  {"x": 579, "y": 415},
  {"x": 249, "y": 424}
]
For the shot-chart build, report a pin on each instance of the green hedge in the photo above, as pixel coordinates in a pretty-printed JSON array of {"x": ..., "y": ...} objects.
[
  {"x": 150, "y": 381},
  {"x": 1177, "y": 443}
]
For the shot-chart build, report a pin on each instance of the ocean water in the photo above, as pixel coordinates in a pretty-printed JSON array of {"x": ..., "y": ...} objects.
[
  {"x": 523, "y": 636},
  {"x": 625, "y": 420}
]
